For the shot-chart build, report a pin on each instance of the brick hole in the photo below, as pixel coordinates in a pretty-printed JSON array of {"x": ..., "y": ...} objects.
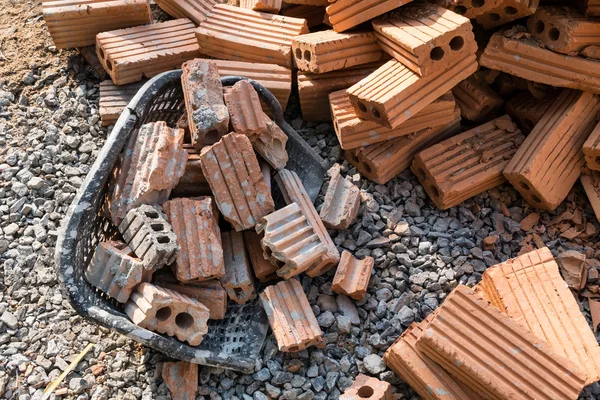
[
  {"x": 109, "y": 65},
  {"x": 457, "y": 43},
  {"x": 184, "y": 320},
  {"x": 151, "y": 214},
  {"x": 421, "y": 174},
  {"x": 293, "y": 348},
  {"x": 375, "y": 112},
  {"x": 437, "y": 53},
  {"x": 211, "y": 137},
  {"x": 597, "y": 160},
  {"x": 163, "y": 239},
  {"x": 524, "y": 186},
  {"x": 539, "y": 27},
  {"x": 101, "y": 53},
  {"x": 460, "y": 10},
  {"x": 163, "y": 314},
  {"x": 299, "y": 54},
  {"x": 535, "y": 199},
  {"x": 365, "y": 392},
  {"x": 510, "y": 10},
  {"x": 494, "y": 17},
  {"x": 434, "y": 191},
  {"x": 239, "y": 293},
  {"x": 368, "y": 168},
  {"x": 554, "y": 34},
  {"x": 478, "y": 3},
  {"x": 362, "y": 107},
  {"x": 157, "y": 227},
  {"x": 307, "y": 55},
  {"x": 528, "y": 124}
]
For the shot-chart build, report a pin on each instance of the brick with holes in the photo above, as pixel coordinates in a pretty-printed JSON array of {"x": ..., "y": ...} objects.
[
  {"x": 591, "y": 149},
  {"x": 507, "y": 11},
  {"x": 341, "y": 203},
  {"x": 476, "y": 99},
  {"x": 167, "y": 311},
  {"x": 210, "y": 293},
  {"x": 346, "y": 14},
  {"x": 367, "y": 387},
  {"x": 352, "y": 276},
  {"x": 238, "y": 280},
  {"x": 264, "y": 270}
]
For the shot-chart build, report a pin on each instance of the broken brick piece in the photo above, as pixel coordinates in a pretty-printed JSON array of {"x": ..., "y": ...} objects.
[
  {"x": 529, "y": 222},
  {"x": 476, "y": 99},
  {"x": 181, "y": 378},
  {"x": 245, "y": 112},
  {"x": 238, "y": 280},
  {"x": 76, "y": 23},
  {"x": 327, "y": 51},
  {"x": 148, "y": 233},
  {"x": 549, "y": 161},
  {"x": 196, "y": 10},
  {"x": 293, "y": 192},
  {"x": 530, "y": 290},
  {"x": 289, "y": 241},
  {"x": 591, "y": 149},
  {"x": 114, "y": 99},
  {"x": 572, "y": 269},
  {"x": 314, "y": 15},
  {"x": 193, "y": 182},
  {"x": 195, "y": 223},
  {"x": 527, "y": 110},
  {"x": 352, "y": 276},
  {"x": 394, "y": 93},
  {"x": 270, "y": 144},
  {"x": 346, "y": 14},
  {"x": 353, "y": 132},
  {"x": 114, "y": 270},
  {"x": 291, "y": 318},
  {"x": 208, "y": 116},
  {"x": 152, "y": 164},
  {"x": 507, "y": 11},
  {"x": 469, "y": 8},
  {"x": 264, "y": 270},
  {"x": 366, "y": 387},
  {"x": 239, "y": 187},
  {"x": 259, "y": 37},
  {"x": 381, "y": 162},
  {"x": 426, "y": 38},
  {"x": 467, "y": 164},
  {"x": 169, "y": 312},
  {"x": 591, "y": 8},
  {"x": 270, "y": 6},
  {"x": 590, "y": 180},
  {"x": 210, "y": 293},
  {"x": 341, "y": 203},
  {"x": 130, "y": 54}
]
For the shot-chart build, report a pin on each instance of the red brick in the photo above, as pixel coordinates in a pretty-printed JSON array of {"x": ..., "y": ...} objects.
[
  {"x": 270, "y": 144},
  {"x": 352, "y": 276},
  {"x": 591, "y": 149},
  {"x": 591, "y": 183},
  {"x": 469, "y": 8},
  {"x": 270, "y": 6},
  {"x": 346, "y": 14},
  {"x": 591, "y": 8},
  {"x": 238, "y": 280},
  {"x": 264, "y": 270},
  {"x": 245, "y": 111},
  {"x": 476, "y": 99},
  {"x": 210, "y": 293},
  {"x": 114, "y": 99},
  {"x": 314, "y": 15},
  {"x": 366, "y": 387},
  {"x": 341, "y": 203},
  {"x": 507, "y": 11},
  {"x": 527, "y": 110},
  {"x": 196, "y": 10},
  {"x": 181, "y": 378}
]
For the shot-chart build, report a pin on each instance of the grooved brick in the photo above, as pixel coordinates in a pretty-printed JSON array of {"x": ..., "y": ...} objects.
[
  {"x": 196, "y": 10},
  {"x": 507, "y": 11},
  {"x": 314, "y": 15},
  {"x": 76, "y": 23},
  {"x": 591, "y": 8},
  {"x": 210, "y": 293},
  {"x": 549, "y": 162},
  {"x": 341, "y": 203},
  {"x": 346, "y": 14},
  {"x": 130, "y": 54},
  {"x": 366, "y": 387},
  {"x": 238, "y": 280},
  {"x": 271, "y": 6},
  {"x": 465, "y": 165},
  {"x": 290, "y": 316},
  {"x": 469, "y": 8},
  {"x": 494, "y": 355},
  {"x": 530, "y": 290},
  {"x": 264, "y": 270},
  {"x": 352, "y": 276},
  {"x": 114, "y": 99},
  {"x": 235, "y": 178},
  {"x": 590, "y": 181},
  {"x": 394, "y": 93},
  {"x": 527, "y": 110},
  {"x": 169, "y": 312},
  {"x": 591, "y": 149},
  {"x": 245, "y": 112},
  {"x": 259, "y": 37},
  {"x": 476, "y": 99}
]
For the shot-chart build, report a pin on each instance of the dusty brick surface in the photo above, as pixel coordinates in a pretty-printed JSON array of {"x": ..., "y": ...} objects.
[
  {"x": 181, "y": 378},
  {"x": 341, "y": 203},
  {"x": 210, "y": 293},
  {"x": 507, "y": 11},
  {"x": 352, "y": 276},
  {"x": 476, "y": 99},
  {"x": 270, "y": 6},
  {"x": 366, "y": 387},
  {"x": 238, "y": 280},
  {"x": 591, "y": 149},
  {"x": 114, "y": 99},
  {"x": 264, "y": 270},
  {"x": 346, "y": 14},
  {"x": 196, "y": 10},
  {"x": 245, "y": 111}
]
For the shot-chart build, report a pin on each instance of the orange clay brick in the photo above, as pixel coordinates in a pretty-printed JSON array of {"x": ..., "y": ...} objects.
[
  {"x": 114, "y": 99},
  {"x": 527, "y": 110},
  {"x": 591, "y": 184},
  {"x": 245, "y": 112},
  {"x": 522, "y": 57},
  {"x": 270, "y": 6},
  {"x": 506, "y": 11},
  {"x": 196, "y": 10},
  {"x": 238, "y": 280},
  {"x": 341, "y": 203},
  {"x": 235, "y": 178},
  {"x": 381, "y": 162},
  {"x": 76, "y": 23},
  {"x": 393, "y": 93},
  {"x": 327, "y": 51},
  {"x": 591, "y": 149},
  {"x": 549, "y": 162},
  {"x": 193, "y": 182},
  {"x": 208, "y": 118},
  {"x": 563, "y": 29},
  {"x": 130, "y": 54},
  {"x": 151, "y": 166},
  {"x": 530, "y": 290},
  {"x": 259, "y": 37},
  {"x": 346, "y": 14},
  {"x": 591, "y": 8},
  {"x": 352, "y": 276},
  {"x": 169, "y": 312},
  {"x": 196, "y": 224},
  {"x": 465, "y": 165},
  {"x": 313, "y": 89},
  {"x": 426, "y": 38},
  {"x": 291, "y": 318},
  {"x": 289, "y": 241},
  {"x": 293, "y": 192},
  {"x": 353, "y": 132},
  {"x": 476, "y": 99},
  {"x": 314, "y": 15},
  {"x": 469, "y": 8},
  {"x": 264, "y": 270},
  {"x": 210, "y": 293},
  {"x": 366, "y": 387},
  {"x": 498, "y": 358},
  {"x": 270, "y": 144}
]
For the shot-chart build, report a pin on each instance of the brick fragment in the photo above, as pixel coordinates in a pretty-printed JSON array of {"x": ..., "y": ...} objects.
[
  {"x": 166, "y": 311},
  {"x": 181, "y": 378},
  {"x": 293, "y": 192},
  {"x": 353, "y": 132},
  {"x": 352, "y": 276},
  {"x": 522, "y": 57},
  {"x": 238, "y": 280},
  {"x": 393, "y": 93},
  {"x": 591, "y": 8},
  {"x": 270, "y": 6},
  {"x": 289, "y": 241},
  {"x": 327, "y": 51},
  {"x": 591, "y": 149},
  {"x": 148, "y": 233},
  {"x": 549, "y": 162},
  {"x": 381, "y": 162},
  {"x": 270, "y": 144},
  {"x": 590, "y": 180},
  {"x": 114, "y": 270},
  {"x": 591, "y": 52},
  {"x": 530, "y": 290},
  {"x": 572, "y": 269},
  {"x": 529, "y": 222},
  {"x": 476, "y": 99},
  {"x": 314, "y": 15},
  {"x": 465, "y": 165},
  {"x": 507, "y": 11},
  {"x": 193, "y": 182},
  {"x": 151, "y": 166},
  {"x": 239, "y": 187},
  {"x": 366, "y": 387},
  {"x": 114, "y": 99},
  {"x": 196, "y": 10},
  {"x": 130, "y": 54},
  {"x": 76, "y": 23},
  {"x": 527, "y": 110},
  {"x": 426, "y": 38},
  {"x": 341, "y": 203},
  {"x": 245, "y": 111},
  {"x": 264, "y": 270},
  {"x": 210, "y": 293},
  {"x": 346, "y": 14},
  {"x": 195, "y": 222},
  {"x": 208, "y": 117},
  {"x": 291, "y": 318},
  {"x": 469, "y": 8},
  {"x": 259, "y": 37}
]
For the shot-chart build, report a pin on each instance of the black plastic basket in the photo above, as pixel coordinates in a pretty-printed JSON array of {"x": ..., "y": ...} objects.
[{"x": 234, "y": 342}]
